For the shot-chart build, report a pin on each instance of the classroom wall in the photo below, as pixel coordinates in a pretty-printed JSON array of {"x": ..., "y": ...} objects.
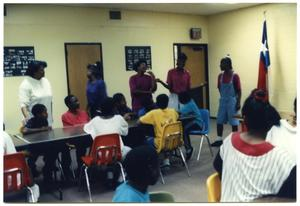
[
  {"x": 48, "y": 27},
  {"x": 239, "y": 34}
]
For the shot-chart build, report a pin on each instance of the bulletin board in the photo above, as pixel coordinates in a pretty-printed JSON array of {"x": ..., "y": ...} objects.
[
  {"x": 135, "y": 53},
  {"x": 16, "y": 60}
]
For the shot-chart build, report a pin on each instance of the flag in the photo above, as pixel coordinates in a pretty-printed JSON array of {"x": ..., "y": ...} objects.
[{"x": 264, "y": 61}]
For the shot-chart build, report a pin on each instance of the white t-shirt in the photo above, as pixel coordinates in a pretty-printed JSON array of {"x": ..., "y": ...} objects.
[
  {"x": 99, "y": 126},
  {"x": 284, "y": 136},
  {"x": 33, "y": 91},
  {"x": 8, "y": 145}
]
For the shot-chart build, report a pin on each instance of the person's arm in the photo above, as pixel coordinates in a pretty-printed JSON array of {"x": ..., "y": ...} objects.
[
  {"x": 123, "y": 127},
  {"x": 25, "y": 112},
  {"x": 25, "y": 130},
  {"x": 163, "y": 83},
  {"x": 238, "y": 90},
  {"x": 154, "y": 84},
  {"x": 24, "y": 98},
  {"x": 288, "y": 189}
]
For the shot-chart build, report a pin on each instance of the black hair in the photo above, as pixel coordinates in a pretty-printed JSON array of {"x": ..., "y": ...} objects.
[
  {"x": 96, "y": 69},
  {"x": 182, "y": 56},
  {"x": 138, "y": 63},
  {"x": 34, "y": 66},
  {"x": 139, "y": 162},
  {"x": 118, "y": 97},
  {"x": 38, "y": 109},
  {"x": 184, "y": 97},
  {"x": 259, "y": 114},
  {"x": 68, "y": 99},
  {"x": 107, "y": 107},
  {"x": 162, "y": 101},
  {"x": 227, "y": 61}
]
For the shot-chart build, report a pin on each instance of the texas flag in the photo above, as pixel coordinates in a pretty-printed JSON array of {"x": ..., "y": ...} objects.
[{"x": 264, "y": 61}]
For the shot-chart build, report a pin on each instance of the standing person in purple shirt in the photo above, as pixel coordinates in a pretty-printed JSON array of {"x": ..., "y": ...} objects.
[
  {"x": 141, "y": 85},
  {"x": 178, "y": 80},
  {"x": 96, "y": 89}
]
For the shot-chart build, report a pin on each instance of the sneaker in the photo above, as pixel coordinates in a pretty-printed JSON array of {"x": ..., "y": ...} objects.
[
  {"x": 189, "y": 154},
  {"x": 217, "y": 143}
]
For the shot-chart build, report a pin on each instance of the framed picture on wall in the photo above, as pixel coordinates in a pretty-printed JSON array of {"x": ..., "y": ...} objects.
[{"x": 135, "y": 53}]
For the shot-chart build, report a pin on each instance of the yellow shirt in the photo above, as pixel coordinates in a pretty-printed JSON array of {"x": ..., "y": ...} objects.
[{"x": 159, "y": 118}]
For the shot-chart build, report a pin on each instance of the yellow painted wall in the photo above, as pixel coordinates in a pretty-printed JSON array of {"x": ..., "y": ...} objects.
[
  {"x": 48, "y": 27},
  {"x": 239, "y": 34}
]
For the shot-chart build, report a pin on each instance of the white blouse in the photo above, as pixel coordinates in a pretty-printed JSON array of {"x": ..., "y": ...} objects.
[
  {"x": 8, "y": 145},
  {"x": 33, "y": 91}
]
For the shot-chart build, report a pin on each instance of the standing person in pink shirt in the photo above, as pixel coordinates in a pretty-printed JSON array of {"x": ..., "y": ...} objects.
[
  {"x": 178, "y": 80},
  {"x": 141, "y": 85}
]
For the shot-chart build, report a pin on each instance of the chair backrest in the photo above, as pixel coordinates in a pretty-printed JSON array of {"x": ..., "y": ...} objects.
[
  {"x": 16, "y": 172},
  {"x": 205, "y": 118},
  {"x": 172, "y": 136},
  {"x": 161, "y": 197},
  {"x": 213, "y": 184},
  {"x": 106, "y": 149}
]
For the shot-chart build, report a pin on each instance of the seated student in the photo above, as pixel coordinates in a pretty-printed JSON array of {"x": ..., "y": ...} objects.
[
  {"x": 121, "y": 106},
  {"x": 142, "y": 168},
  {"x": 189, "y": 107},
  {"x": 107, "y": 123},
  {"x": 249, "y": 166},
  {"x": 147, "y": 106},
  {"x": 9, "y": 148},
  {"x": 285, "y": 135},
  {"x": 74, "y": 116},
  {"x": 39, "y": 123},
  {"x": 159, "y": 118}
]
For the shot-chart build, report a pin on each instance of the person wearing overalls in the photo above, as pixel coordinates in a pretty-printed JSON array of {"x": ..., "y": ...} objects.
[{"x": 230, "y": 96}]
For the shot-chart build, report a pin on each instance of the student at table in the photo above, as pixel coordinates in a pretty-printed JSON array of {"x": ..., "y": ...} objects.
[
  {"x": 178, "y": 80},
  {"x": 230, "y": 97},
  {"x": 74, "y": 116},
  {"x": 121, "y": 106},
  {"x": 36, "y": 124},
  {"x": 159, "y": 118},
  {"x": 141, "y": 85},
  {"x": 249, "y": 166},
  {"x": 35, "y": 89},
  {"x": 189, "y": 107},
  {"x": 142, "y": 168},
  {"x": 9, "y": 148},
  {"x": 96, "y": 89}
]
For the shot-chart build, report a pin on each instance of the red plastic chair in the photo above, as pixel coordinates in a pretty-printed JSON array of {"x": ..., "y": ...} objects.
[
  {"x": 105, "y": 150},
  {"x": 16, "y": 173}
]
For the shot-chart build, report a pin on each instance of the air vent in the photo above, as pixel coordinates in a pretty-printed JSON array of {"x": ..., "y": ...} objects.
[{"x": 115, "y": 15}]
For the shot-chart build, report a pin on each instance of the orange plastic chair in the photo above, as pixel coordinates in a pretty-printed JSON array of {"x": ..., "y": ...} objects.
[
  {"x": 172, "y": 140},
  {"x": 213, "y": 184},
  {"x": 16, "y": 173},
  {"x": 105, "y": 150}
]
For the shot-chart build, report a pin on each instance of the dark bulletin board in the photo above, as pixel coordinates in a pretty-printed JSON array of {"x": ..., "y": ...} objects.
[
  {"x": 134, "y": 53},
  {"x": 16, "y": 60}
]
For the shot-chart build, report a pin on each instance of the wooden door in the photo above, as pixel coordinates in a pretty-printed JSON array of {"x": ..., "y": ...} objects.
[
  {"x": 78, "y": 56},
  {"x": 197, "y": 66}
]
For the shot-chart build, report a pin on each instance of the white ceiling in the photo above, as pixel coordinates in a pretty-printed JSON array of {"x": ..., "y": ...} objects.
[{"x": 184, "y": 8}]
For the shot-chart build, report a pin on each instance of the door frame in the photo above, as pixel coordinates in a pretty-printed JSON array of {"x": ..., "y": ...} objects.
[
  {"x": 205, "y": 46},
  {"x": 80, "y": 43}
]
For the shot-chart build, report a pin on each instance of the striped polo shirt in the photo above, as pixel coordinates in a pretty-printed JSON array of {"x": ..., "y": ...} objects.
[{"x": 252, "y": 171}]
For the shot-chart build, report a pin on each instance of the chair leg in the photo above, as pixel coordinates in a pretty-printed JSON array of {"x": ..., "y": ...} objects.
[
  {"x": 31, "y": 194},
  {"x": 161, "y": 177},
  {"x": 122, "y": 170},
  {"x": 72, "y": 166},
  {"x": 200, "y": 147},
  {"x": 80, "y": 176},
  {"x": 61, "y": 170},
  {"x": 208, "y": 142},
  {"x": 88, "y": 183},
  {"x": 183, "y": 159}
]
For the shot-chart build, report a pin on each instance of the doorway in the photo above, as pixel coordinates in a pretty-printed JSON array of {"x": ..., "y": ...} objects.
[
  {"x": 197, "y": 65},
  {"x": 78, "y": 56}
]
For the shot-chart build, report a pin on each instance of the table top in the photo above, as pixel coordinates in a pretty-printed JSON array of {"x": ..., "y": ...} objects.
[{"x": 274, "y": 199}]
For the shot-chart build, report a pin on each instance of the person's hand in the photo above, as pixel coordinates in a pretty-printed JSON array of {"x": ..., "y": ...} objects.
[{"x": 127, "y": 116}]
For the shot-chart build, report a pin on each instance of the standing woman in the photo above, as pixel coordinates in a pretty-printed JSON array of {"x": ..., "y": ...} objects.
[
  {"x": 96, "y": 88},
  {"x": 35, "y": 89},
  {"x": 141, "y": 85}
]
